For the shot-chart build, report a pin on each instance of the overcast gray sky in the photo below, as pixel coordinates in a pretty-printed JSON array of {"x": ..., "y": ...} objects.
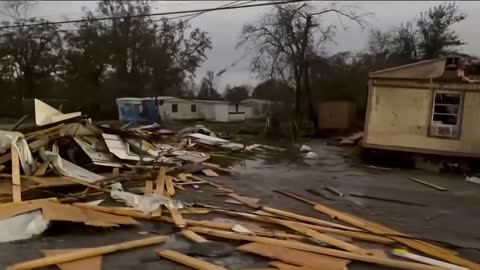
[{"x": 224, "y": 27}]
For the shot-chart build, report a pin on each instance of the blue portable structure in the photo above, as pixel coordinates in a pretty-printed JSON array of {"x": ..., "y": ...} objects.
[{"x": 138, "y": 110}]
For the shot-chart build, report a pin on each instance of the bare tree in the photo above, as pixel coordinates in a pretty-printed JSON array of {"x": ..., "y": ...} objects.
[{"x": 285, "y": 40}]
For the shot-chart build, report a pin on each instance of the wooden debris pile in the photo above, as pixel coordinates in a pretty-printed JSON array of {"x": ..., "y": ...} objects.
[{"x": 147, "y": 172}]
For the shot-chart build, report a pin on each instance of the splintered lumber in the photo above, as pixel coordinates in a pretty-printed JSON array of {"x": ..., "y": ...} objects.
[
  {"x": 169, "y": 185},
  {"x": 307, "y": 219},
  {"x": 189, "y": 261},
  {"x": 209, "y": 172},
  {"x": 432, "y": 250},
  {"x": 228, "y": 227},
  {"x": 323, "y": 237},
  {"x": 427, "y": 184},
  {"x": 353, "y": 234},
  {"x": 177, "y": 218},
  {"x": 317, "y": 249},
  {"x": 414, "y": 257},
  {"x": 251, "y": 202},
  {"x": 86, "y": 253},
  {"x": 286, "y": 266},
  {"x": 148, "y": 188},
  {"x": 16, "y": 184},
  {"x": 91, "y": 263},
  {"x": 194, "y": 236},
  {"x": 160, "y": 188},
  {"x": 296, "y": 257},
  {"x": 217, "y": 167},
  {"x": 85, "y": 183},
  {"x": 42, "y": 169}
]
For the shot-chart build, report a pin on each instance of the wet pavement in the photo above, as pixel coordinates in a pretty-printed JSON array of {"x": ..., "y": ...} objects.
[{"x": 450, "y": 216}]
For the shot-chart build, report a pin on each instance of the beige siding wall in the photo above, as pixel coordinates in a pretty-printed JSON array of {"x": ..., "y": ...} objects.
[{"x": 399, "y": 117}]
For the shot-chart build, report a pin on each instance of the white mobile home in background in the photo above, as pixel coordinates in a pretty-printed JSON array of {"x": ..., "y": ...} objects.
[{"x": 211, "y": 110}]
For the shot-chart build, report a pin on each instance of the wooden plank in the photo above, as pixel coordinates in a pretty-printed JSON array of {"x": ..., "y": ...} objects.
[
  {"x": 160, "y": 182},
  {"x": 323, "y": 237},
  {"x": 148, "y": 187},
  {"x": 218, "y": 168},
  {"x": 318, "y": 249},
  {"x": 418, "y": 258},
  {"x": 189, "y": 261},
  {"x": 296, "y": 197},
  {"x": 209, "y": 172},
  {"x": 307, "y": 219},
  {"x": 424, "y": 247},
  {"x": 353, "y": 234},
  {"x": 194, "y": 236},
  {"x": 228, "y": 227},
  {"x": 86, "y": 253},
  {"x": 16, "y": 184},
  {"x": 85, "y": 183},
  {"x": 251, "y": 202},
  {"x": 286, "y": 266},
  {"x": 42, "y": 169},
  {"x": 427, "y": 184},
  {"x": 177, "y": 218},
  {"x": 169, "y": 185},
  {"x": 91, "y": 263}
]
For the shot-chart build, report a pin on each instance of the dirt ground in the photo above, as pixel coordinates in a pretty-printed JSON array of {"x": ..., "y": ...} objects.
[{"x": 449, "y": 216}]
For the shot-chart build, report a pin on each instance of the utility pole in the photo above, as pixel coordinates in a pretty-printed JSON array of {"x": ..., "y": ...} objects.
[{"x": 306, "y": 74}]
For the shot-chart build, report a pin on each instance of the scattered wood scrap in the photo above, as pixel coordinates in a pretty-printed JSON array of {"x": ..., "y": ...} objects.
[
  {"x": 317, "y": 249},
  {"x": 209, "y": 172},
  {"x": 425, "y": 183},
  {"x": 296, "y": 257},
  {"x": 90, "y": 263},
  {"x": 86, "y": 253},
  {"x": 188, "y": 261}
]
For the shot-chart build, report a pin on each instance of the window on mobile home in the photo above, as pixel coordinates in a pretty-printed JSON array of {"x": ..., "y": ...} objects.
[{"x": 446, "y": 114}]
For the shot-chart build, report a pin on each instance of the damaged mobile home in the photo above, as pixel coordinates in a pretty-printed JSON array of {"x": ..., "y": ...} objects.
[{"x": 429, "y": 107}]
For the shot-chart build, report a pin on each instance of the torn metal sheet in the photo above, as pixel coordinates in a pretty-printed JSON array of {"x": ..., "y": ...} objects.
[
  {"x": 68, "y": 168},
  {"x": 97, "y": 151},
  {"x": 121, "y": 149},
  {"x": 207, "y": 139},
  {"x": 46, "y": 114},
  {"x": 146, "y": 203},
  {"x": 473, "y": 179},
  {"x": 197, "y": 129},
  {"x": 17, "y": 141},
  {"x": 23, "y": 226}
]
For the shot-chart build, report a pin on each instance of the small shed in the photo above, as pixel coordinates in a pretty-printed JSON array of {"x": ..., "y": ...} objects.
[
  {"x": 138, "y": 110},
  {"x": 430, "y": 107},
  {"x": 336, "y": 115}
]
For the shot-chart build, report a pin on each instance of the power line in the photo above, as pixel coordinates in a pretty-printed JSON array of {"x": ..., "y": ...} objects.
[
  {"x": 198, "y": 13},
  {"x": 234, "y": 3},
  {"x": 151, "y": 14}
]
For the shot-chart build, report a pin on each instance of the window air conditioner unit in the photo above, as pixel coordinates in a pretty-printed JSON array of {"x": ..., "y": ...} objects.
[{"x": 443, "y": 130}]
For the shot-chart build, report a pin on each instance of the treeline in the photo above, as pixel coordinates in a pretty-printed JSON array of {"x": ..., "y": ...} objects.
[
  {"x": 95, "y": 61},
  {"x": 288, "y": 45}
]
